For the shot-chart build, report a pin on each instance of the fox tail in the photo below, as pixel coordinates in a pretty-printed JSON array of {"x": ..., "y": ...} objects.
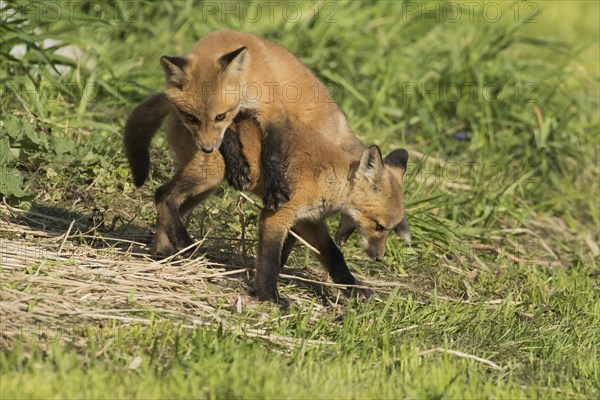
[{"x": 141, "y": 125}]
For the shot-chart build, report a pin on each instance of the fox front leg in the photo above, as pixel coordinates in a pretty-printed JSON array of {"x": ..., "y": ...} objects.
[
  {"x": 171, "y": 234},
  {"x": 331, "y": 257},
  {"x": 192, "y": 183},
  {"x": 237, "y": 167},
  {"x": 273, "y": 162}
]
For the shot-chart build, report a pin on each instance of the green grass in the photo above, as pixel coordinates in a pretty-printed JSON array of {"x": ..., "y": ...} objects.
[
  {"x": 550, "y": 353},
  {"x": 523, "y": 177}
]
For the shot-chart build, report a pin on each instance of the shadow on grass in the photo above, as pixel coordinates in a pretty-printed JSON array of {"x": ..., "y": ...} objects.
[
  {"x": 92, "y": 229},
  {"x": 98, "y": 231}
]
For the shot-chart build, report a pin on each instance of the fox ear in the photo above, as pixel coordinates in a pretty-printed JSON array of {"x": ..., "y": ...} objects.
[
  {"x": 234, "y": 63},
  {"x": 371, "y": 164},
  {"x": 397, "y": 159},
  {"x": 173, "y": 67},
  {"x": 403, "y": 230}
]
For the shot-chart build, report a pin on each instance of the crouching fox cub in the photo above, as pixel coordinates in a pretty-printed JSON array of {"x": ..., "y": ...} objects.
[{"x": 365, "y": 188}]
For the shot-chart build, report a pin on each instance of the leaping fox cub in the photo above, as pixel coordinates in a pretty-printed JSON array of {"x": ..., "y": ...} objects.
[
  {"x": 364, "y": 187},
  {"x": 230, "y": 72}
]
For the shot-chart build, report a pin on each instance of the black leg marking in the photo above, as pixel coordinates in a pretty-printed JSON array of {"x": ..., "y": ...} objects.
[
  {"x": 159, "y": 193},
  {"x": 267, "y": 271},
  {"x": 334, "y": 262},
  {"x": 176, "y": 230},
  {"x": 273, "y": 161},
  {"x": 236, "y": 164}
]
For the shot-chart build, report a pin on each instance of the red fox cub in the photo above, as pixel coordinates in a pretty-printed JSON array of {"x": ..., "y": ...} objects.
[
  {"x": 366, "y": 189},
  {"x": 230, "y": 72}
]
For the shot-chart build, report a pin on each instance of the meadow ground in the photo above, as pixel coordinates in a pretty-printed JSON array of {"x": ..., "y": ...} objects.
[{"x": 498, "y": 296}]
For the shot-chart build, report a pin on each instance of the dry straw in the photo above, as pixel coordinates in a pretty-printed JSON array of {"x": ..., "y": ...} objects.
[{"x": 57, "y": 273}]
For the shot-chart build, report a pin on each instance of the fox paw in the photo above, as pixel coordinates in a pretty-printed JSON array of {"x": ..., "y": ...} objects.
[
  {"x": 276, "y": 196},
  {"x": 164, "y": 250},
  {"x": 362, "y": 294},
  {"x": 168, "y": 248},
  {"x": 273, "y": 297},
  {"x": 238, "y": 174}
]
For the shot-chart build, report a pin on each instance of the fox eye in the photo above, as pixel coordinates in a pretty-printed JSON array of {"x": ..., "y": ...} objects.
[
  {"x": 220, "y": 117},
  {"x": 191, "y": 118},
  {"x": 379, "y": 228}
]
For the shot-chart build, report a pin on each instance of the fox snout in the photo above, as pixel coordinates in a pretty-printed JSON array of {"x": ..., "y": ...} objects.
[
  {"x": 376, "y": 253},
  {"x": 205, "y": 145},
  {"x": 375, "y": 247}
]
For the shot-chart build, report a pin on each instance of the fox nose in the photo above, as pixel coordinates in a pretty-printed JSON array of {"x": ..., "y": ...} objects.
[
  {"x": 207, "y": 149},
  {"x": 374, "y": 255}
]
